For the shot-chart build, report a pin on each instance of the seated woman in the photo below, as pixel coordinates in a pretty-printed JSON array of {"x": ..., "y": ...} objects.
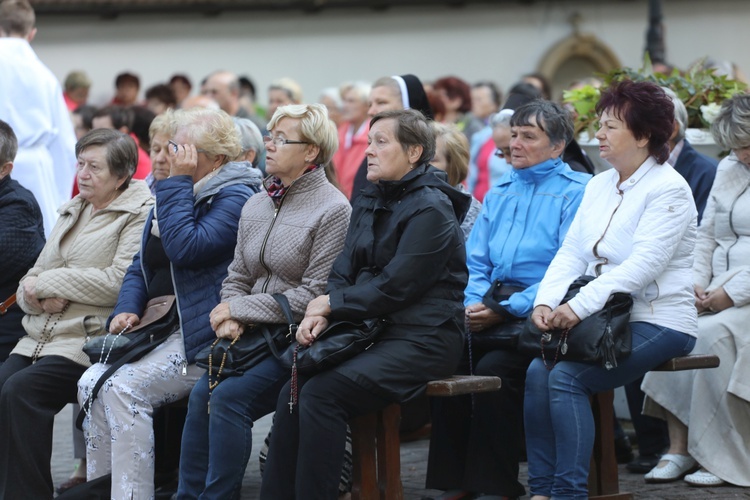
[
  {"x": 635, "y": 232},
  {"x": 708, "y": 411},
  {"x": 67, "y": 296},
  {"x": 404, "y": 261},
  {"x": 452, "y": 157},
  {"x": 188, "y": 242},
  {"x": 522, "y": 224},
  {"x": 288, "y": 239},
  {"x": 160, "y": 134}
]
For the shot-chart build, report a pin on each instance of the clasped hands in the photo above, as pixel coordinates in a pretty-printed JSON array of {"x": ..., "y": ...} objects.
[
  {"x": 714, "y": 301},
  {"x": 315, "y": 320},
  {"x": 562, "y": 318},
  {"x": 51, "y": 305}
]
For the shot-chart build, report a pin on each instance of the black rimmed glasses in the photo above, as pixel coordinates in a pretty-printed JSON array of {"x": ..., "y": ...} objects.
[{"x": 278, "y": 141}]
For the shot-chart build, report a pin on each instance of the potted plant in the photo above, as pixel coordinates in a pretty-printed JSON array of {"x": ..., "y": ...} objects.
[{"x": 700, "y": 89}]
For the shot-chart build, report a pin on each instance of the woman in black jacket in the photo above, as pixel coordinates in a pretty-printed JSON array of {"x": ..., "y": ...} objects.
[{"x": 403, "y": 261}]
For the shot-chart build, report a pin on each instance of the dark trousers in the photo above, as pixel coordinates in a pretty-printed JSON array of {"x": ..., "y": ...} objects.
[
  {"x": 306, "y": 452},
  {"x": 651, "y": 433},
  {"x": 30, "y": 397},
  {"x": 480, "y": 451}
]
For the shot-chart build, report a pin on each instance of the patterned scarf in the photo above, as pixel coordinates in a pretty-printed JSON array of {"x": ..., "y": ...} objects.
[{"x": 276, "y": 190}]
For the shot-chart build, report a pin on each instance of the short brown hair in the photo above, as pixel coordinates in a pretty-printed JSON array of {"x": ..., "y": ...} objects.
[
  {"x": 122, "y": 153},
  {"x": 16, "y": 17},
  {"x": 8, "y": 144},
  {"x": 412, "y": 129}
]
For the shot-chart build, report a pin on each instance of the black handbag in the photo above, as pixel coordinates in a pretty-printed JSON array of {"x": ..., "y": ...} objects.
[
  {"x": 337, "y": 343},
  {"x": 504, "y": 335},
  {"x": 603, "y": 337},
  {"x": 233, "y": 357},
  {"x": 158, "y": 321}
]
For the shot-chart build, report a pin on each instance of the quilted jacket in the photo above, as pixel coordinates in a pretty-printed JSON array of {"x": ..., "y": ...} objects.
[
  {"x": 89, "y": 276},
  {"x": 288, "y": 250},
  {"x": 199, "y": 233}
]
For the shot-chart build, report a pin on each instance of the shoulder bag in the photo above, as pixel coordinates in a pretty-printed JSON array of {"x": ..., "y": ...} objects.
[
  {"x": 600, "y": 338},
  {"x": 233, "y": 357},
  {"x": 503, "y": 335}
]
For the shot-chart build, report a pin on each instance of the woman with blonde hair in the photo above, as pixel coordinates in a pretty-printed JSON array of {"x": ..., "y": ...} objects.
[
  {"x": 288, "y": 239},
  {"x": 452, "y": 157},
  {"x": 187, "y": 243}
]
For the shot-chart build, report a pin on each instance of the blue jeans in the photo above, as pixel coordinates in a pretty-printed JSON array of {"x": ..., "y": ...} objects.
[
  {"x": 557, "y": 413},
  {"x": 216, "y": 446}
]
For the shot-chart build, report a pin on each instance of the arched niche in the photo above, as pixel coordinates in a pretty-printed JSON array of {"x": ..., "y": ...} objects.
[{"x": 576, "y": 57}]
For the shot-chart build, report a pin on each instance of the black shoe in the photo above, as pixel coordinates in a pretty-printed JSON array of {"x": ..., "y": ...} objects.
[
  {"x": 643, "y": 464},
  {"x": 623, "y": 451}
]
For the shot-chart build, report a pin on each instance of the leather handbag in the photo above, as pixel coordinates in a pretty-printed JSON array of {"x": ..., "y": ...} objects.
[
  {"x": 503, "y": 335},
  {"x": 159, "y": 320},
  {"x": 233, "y": 357},
  {"x": 337, "y": 343},
  {"x": 602, "y": 338}
]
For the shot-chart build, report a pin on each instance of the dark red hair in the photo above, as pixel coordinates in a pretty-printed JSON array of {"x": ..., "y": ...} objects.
[
  {"x": 647, "y": 111},
  {"x": 455, "y": 87}
]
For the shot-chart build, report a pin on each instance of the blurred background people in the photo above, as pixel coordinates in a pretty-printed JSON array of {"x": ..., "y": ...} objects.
[
  {"x": 330, "y": 97},
  {"x": 456, "y": 96},
  {"x": 283, "y": 92},
  {"x": 82, "y": 118},
  {"x": 127, "y": 87},
  {"x": 486, "y": 99},
  {"x": 352, "y": 134},
  {"x": 181, "y": 86},
  {"x": 76, "y": 89},
  {"x": 160, "y": 98},
  {"x": 123, "y": 119}
]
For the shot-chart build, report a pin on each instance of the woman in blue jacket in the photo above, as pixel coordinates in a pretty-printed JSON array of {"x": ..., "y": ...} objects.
[
  {"x": 523, "y": 222},
  {"x": 188, "y": 243}
]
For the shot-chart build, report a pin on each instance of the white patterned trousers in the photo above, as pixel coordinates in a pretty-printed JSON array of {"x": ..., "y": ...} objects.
[{"x": 119, "y": 429}]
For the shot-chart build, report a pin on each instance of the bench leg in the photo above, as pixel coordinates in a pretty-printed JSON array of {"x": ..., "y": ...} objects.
[
  {"x": 364, "y": 473},
  {"x": 389, "y": 453},
  {"x": 603, "y": 474}
]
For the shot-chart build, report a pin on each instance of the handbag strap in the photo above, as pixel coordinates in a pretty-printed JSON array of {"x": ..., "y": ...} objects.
[
  {"x": 7, "y": 303},
  {"x": 285, "y": 307},
  {"x": 287, "y": 310},
  {"x": 125, "y": 359}
]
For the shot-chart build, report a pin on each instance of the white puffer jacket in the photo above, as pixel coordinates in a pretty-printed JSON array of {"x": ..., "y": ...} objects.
[
  {"x": 647, "y": 229},
  {"x": 722, "y": 253}
]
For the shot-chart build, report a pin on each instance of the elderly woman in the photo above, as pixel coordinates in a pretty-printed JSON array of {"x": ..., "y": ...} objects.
[
  {"x": 159, "y": 133},
  {"x": 352, "y": 134},
  {"x": 708, "y": 411},
  {"x": 635, "y": 232},
  {"x": 187, "y": 243},
  {"x": 251, "y": 141},
  {"x": 404, "y": 261},
  {"x": 67, "y": 296},
  {"x": 288, "y": 239},
  {"x": 452, "y": 157},
  {"x": 522, "y": 225}
]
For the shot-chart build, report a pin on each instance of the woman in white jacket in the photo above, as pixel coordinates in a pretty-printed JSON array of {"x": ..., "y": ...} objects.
[
  {"x": 714, "y": 431},
  {"x": 634, "y": 231}
]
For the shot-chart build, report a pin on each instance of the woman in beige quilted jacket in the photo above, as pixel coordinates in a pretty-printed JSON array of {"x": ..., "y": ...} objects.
[{"x": 67, "y": 296}]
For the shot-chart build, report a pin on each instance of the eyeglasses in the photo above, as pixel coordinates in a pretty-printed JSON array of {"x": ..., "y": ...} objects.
[
  {"x": 502, "y": 153},
  {"x": 175, "y": 147},
  {"x": 278, "y": 141}
]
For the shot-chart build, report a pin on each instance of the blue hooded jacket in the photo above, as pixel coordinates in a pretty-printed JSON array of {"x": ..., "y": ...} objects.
[
  {"x": 523, "y": 222},
  {"x": 199, "y": 234}
]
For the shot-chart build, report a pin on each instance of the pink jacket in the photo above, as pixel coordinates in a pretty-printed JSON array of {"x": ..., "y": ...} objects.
[{"x": 348, "y": 159}]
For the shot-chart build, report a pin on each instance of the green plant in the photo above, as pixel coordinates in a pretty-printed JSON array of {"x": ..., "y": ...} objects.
[{"x": 698, "y": 88}]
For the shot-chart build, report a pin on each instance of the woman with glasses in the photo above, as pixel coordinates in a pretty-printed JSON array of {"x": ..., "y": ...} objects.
[
  {"x": 187, "y": 243},
  {"x": 288, "y": 238},
  {"x": 635, "y": 233},
  {"x": 522, "y": 224},
  {"x": 708, "y": 411}
]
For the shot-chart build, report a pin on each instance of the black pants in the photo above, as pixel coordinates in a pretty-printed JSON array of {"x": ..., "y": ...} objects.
[
  {"x": 651, "y": 433},
  {"x": 306, "y": 452},
  {"x": 480, "y": 452},
  {"x": 30, "y": 397}
]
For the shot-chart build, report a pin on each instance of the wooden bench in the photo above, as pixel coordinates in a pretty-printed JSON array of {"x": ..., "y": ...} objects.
[
  {"x": 376, "y": 447},
  {"x": 603, "y": 475}
]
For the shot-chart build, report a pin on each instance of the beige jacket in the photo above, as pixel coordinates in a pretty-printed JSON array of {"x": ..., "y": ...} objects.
[
  {"x": 90, "y": 278},
  {"x": 289, "y": 251}
]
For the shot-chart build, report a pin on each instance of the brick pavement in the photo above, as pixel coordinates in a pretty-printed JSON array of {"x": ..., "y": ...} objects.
[{"x": 413, "y": 465}]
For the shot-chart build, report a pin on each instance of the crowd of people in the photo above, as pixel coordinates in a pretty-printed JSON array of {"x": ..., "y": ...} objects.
[{"x": 447, "y": 212}]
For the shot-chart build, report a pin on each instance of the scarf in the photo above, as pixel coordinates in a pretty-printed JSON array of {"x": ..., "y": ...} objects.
[{"x": 276, "y": 190}]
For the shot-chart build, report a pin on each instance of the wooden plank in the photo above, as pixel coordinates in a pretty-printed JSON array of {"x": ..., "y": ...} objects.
[
  {"x": 364, "y": 473},
  {"x": 603, "y": 474},
  {"x": 389, "y": 453},
  {"x": 693, "y": 362},
  {"x": 463, "y": 384}
]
